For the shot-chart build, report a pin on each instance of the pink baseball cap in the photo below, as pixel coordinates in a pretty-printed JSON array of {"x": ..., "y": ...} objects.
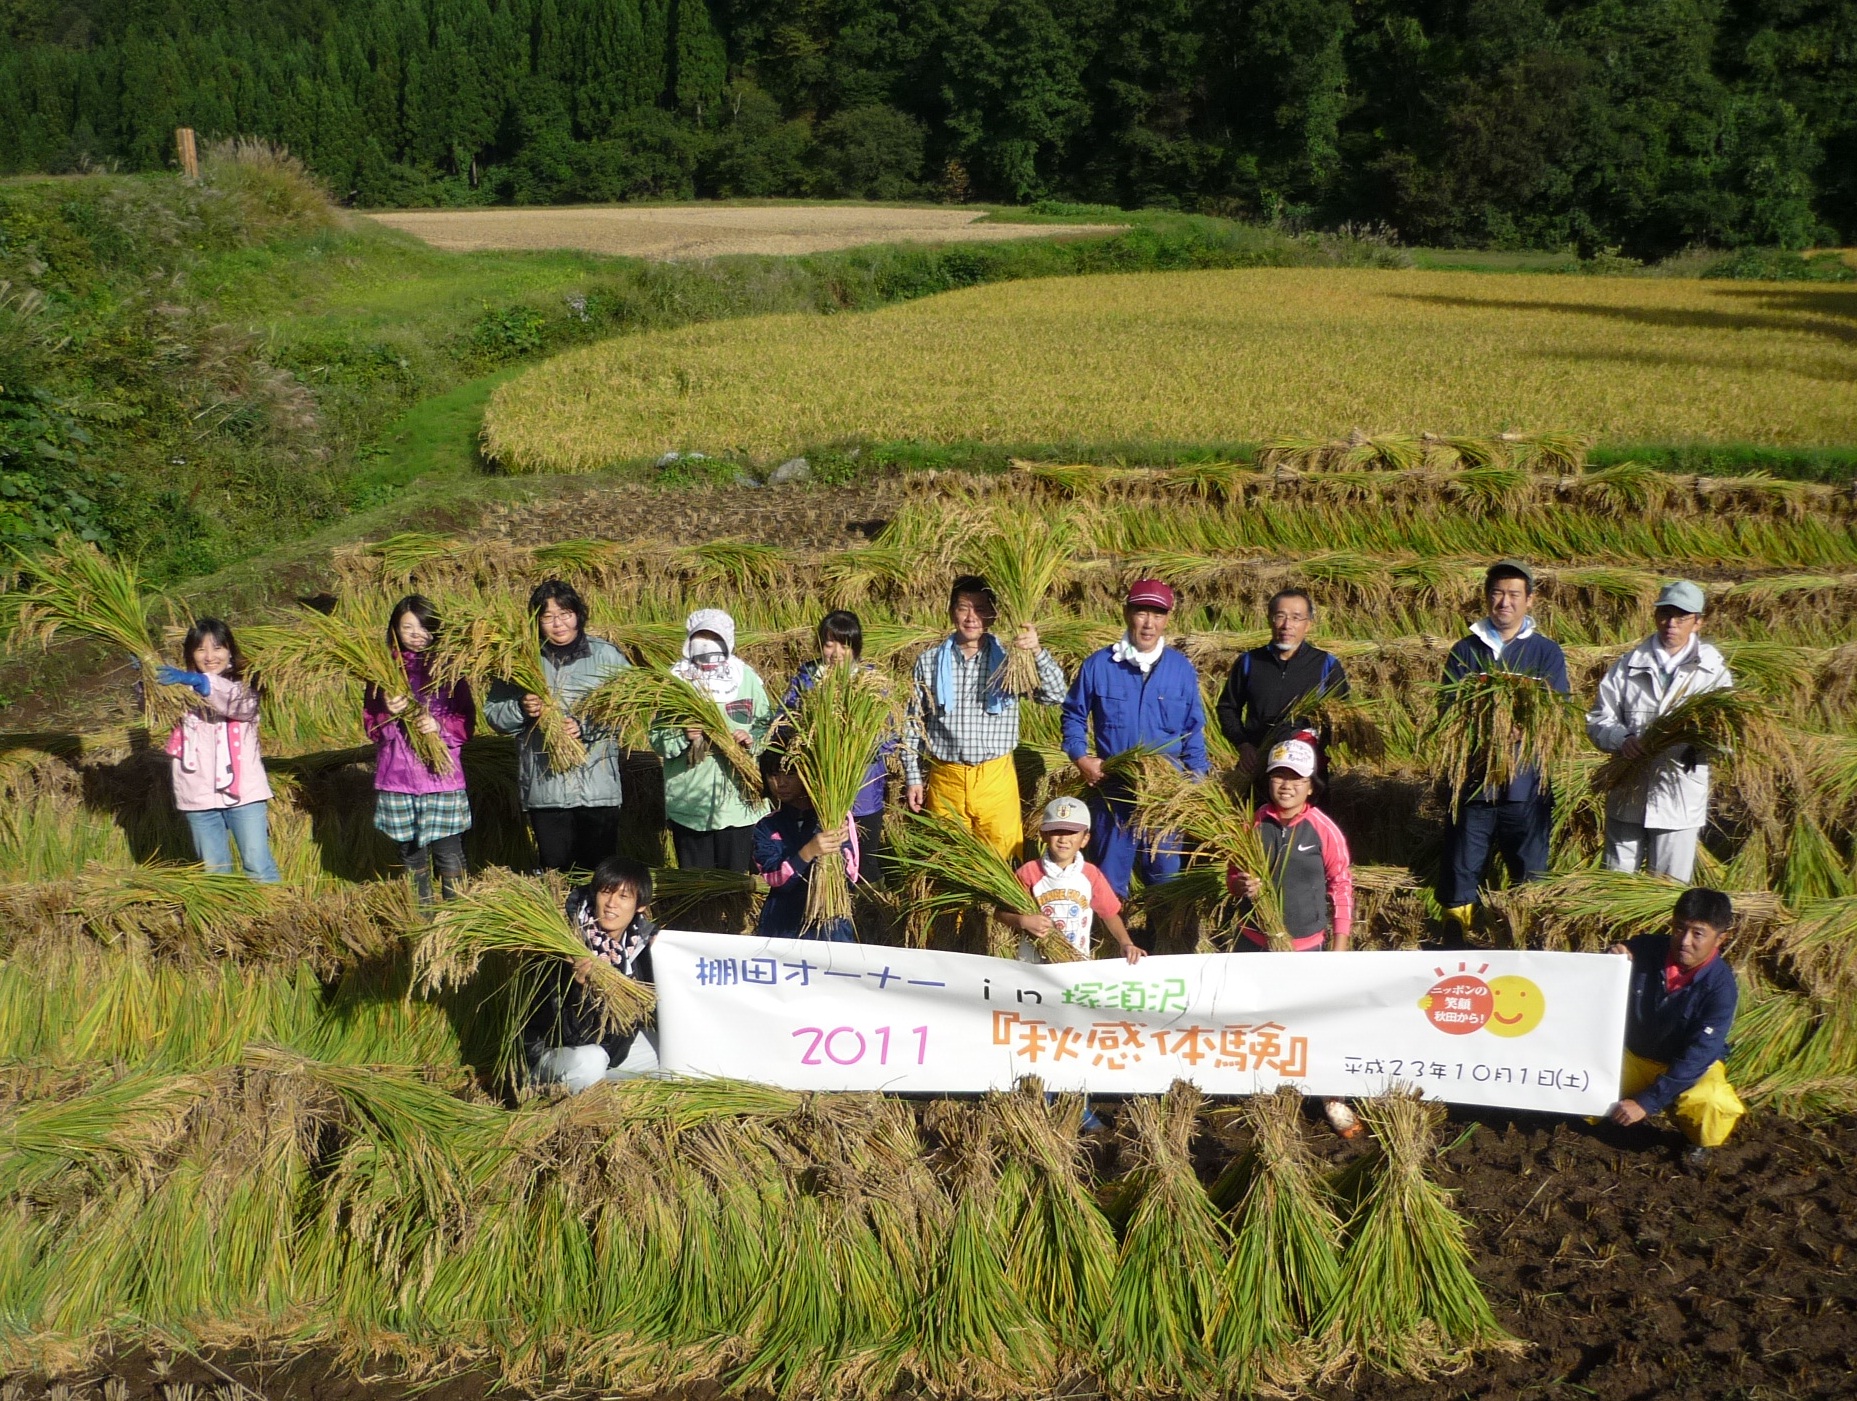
[{"x": 1150, "y": 593}]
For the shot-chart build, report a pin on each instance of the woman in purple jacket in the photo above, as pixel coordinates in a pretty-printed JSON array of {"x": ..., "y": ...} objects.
[{"x": 425, "y": 813}]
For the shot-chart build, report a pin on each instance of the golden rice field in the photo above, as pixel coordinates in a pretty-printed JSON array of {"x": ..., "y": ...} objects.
[{"x": 1231, "y": 356}]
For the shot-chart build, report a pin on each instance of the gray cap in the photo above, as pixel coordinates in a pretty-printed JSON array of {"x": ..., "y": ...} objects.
[
  {"x": 1512, "y": 566},
  {"x": 1683, "y": 596}
]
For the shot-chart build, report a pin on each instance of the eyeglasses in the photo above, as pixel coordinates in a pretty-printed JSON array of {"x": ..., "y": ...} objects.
[{"x": 1289, "y": 617}]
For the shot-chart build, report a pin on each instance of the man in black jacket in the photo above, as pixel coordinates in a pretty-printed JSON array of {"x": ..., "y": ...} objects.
[{"x": 1257, "y": 707}]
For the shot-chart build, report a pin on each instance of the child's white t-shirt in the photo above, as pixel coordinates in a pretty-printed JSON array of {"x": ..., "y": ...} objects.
[{"x": 1071, "y": 897}]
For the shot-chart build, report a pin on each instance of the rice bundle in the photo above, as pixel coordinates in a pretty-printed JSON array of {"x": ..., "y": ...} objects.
[
  {"x": 1494, "y": 724},
  {"x": 74, "y": 588},
  {"x": 523, "y": 916},
  {"x": 1023, "y": 561},
  {"x": 640, "y": 699},
  {"x": 676, "y": 891},
  {"x": 499, "y": 640},
  {"x": 1408, "y": 1301},
  {"x": 958, "y": 870},
  {"x": 832, "y": 736},
  {"x": 1285, "y": 1263},
  {"x": 1166, "y": 1286},
  {"x": 1711, "y": 724},
  {"x": 351, "y": 645},
  {"x": 1214, "y": 818}
]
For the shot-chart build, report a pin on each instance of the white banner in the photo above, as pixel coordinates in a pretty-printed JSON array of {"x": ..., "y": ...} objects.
[{"x": 1541, "y": 1031}]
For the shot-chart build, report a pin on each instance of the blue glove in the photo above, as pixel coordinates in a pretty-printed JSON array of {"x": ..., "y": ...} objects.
[{"x": 174, "y": 676}]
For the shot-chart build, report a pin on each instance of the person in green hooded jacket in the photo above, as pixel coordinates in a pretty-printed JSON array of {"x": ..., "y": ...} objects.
[{"x": 711, "y": 820}]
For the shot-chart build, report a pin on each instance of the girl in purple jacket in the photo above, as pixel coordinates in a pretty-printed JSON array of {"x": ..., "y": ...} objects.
[{"x": 424, "y": 813}]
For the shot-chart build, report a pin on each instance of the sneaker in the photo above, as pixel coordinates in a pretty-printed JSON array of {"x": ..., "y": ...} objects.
[
  {"x": 1342, "y": 1119},
  {"x": 1696, "y": 1159}
]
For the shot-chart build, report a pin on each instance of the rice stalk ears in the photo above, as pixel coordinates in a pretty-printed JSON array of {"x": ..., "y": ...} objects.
[
  {"x": 492, "y": 637},
  {"x": 831, "y": 738},
  {"x": 959, "y": 869},
  {"x": 523, "y": 916},
  {"x": 350, "y": 644},
  {"x": 1214, "y": 817},
  {"x": 1285, "y": 1265},
  {"x": 1705, "y": 728},
  {"x": 1165, "y": 1290},
  {"x": 1023, "y": 561},
  {"x": 74, "y": 588},
  {"x": 1408, "y": 1302},
  {"x": 1493, "y": 725},
  {"x": 638, "y": 700}
]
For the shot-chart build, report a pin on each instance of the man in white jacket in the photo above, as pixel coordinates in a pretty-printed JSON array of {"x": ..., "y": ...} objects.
[{"x": 1655, "y": 824}]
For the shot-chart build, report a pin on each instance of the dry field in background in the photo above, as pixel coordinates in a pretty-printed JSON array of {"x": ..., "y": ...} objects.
[
  {"x": 1213, "y": 356},
  {"x": 683, "y": 233}
]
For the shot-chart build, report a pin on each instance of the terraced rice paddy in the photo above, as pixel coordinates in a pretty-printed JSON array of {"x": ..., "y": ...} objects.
[
  {"x": 228, "y": 1117},
  {"x": 1239, "y": 356}
]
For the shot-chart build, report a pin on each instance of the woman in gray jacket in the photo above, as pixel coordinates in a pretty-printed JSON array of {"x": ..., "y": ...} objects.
[{"x": 575, "y": 814}]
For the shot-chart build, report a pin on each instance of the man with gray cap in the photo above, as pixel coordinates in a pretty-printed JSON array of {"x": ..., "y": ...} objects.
[{"x": 1654, "y": 824}]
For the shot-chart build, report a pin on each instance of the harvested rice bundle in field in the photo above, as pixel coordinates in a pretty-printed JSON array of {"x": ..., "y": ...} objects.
[
  {"x": 1063, "y": 1251},
  {"x": 831, "y": 737},
  {"x": 1408, "y": 1301},
  {"x": 1494, "y": 724},
  {"x": 523, "y": 916},
  {"x": 972, "y": 1332},
  {"x": 74, "y": 588},
  {"x": 959, "y": 871},
  {"x": 1285, "y": 1264},
  {"x": 1702, "y": 728},
  {"x": 1023, "y": 562},
  {"x": 350, "y": 644},
  {"x": 1213, "y": 817},
  {"x": 1166, "y": 1287},
  {"x": 676, "y": 892},
  {"x": 639, "y": 699},
  {"x": 494, "y": 637}
]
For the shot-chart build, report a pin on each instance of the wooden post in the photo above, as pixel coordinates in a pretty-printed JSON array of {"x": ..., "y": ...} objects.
[{"x": 188, "y": 152}]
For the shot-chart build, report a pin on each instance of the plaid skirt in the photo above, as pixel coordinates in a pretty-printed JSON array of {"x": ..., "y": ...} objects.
[{"x": 422, "y": 818}]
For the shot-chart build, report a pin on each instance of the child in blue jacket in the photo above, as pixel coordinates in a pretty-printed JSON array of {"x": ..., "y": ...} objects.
[{"x": 786, "y": 844}]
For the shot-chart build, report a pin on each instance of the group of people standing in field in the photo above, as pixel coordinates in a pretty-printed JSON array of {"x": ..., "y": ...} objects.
[{"x": 955, "y": 752}]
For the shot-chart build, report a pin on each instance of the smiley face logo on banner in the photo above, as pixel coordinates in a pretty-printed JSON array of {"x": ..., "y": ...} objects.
[{"x": 1462, "y": 1002}]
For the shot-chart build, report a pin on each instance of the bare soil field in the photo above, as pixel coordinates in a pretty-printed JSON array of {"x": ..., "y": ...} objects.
[{"x": 684, "y": 233}]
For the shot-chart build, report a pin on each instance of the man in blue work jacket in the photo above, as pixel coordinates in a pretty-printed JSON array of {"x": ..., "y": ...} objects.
[{"x": 1136, "y": 691}]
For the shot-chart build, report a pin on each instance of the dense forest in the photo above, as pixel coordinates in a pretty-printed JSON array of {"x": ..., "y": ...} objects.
[{"x": 1648, "y": 125}]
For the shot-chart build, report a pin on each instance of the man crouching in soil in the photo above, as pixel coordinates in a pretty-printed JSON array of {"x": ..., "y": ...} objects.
[{"x": 1676, "y": 1025}]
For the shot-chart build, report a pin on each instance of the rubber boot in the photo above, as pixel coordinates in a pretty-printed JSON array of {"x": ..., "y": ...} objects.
[
  {"x": 1460, "y": 918},
  {"x": 419, "y": 867},
  {"x": 448, "y": 860}
]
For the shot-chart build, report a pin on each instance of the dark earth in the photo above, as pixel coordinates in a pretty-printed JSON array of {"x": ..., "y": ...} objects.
[{"x": 1632, "y": 1278}]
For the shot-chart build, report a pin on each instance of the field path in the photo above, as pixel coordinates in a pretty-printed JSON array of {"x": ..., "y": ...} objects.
[{"x": 682, "y": 233}]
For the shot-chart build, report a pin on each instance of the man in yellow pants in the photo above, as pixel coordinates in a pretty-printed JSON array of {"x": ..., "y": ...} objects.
[
  {"x": 1683, "y": 999},
  {"x": 962, "y": 727}
]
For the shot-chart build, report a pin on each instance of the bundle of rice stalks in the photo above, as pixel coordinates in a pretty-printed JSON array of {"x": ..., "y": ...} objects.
[
  {"x": 1218, "y": 820},
  {"x": 1494, "y": 724},
  {"x": 74, "y": 588},
  {"x": 1285, "y": 1264},
  {"x": 832, "y": 736},
  {"x": 1704, "y": 728},
  {"x": 1821, "y": 949},
  {"x": 1165, "y": 1292},
  {"x": 638, "y": 700},
  {"x": 1063, "y": 1250},
  {"x": 959, "y": 871},
  {"x": 523, "y": 916},
  {"x": 1024, "y": 561},
  {"x": 1407, "y": 1301},
  {"x": 1551, "y": 450},
  {"x": 350, "y": 644},
  {"x": 973, "y": 1333},
  {"x": 498, "y": 639},
  {"x": 676, "y": 892}
]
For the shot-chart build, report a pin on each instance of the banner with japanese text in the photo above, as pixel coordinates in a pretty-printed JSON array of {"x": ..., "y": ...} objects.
[{"x": 1541, "y": 1031}]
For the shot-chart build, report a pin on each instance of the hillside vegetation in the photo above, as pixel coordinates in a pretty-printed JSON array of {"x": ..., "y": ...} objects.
[
  {"x": 1519, "y": 123},
  {"x": 1228, "y": 357}
]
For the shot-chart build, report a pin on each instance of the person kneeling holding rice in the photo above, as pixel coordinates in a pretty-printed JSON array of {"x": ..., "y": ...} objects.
[
  {"x": 1313, "y": 873},
  {"x": 611, "y": 912},
  {"x": 1682, "y": 1005}
]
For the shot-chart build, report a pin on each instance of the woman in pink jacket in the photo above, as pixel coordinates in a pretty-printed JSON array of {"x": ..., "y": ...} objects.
[
  {"x": 425, "y": 813},
  {"x": 219, "y": 779}
]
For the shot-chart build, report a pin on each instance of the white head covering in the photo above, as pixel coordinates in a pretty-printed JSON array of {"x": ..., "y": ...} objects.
[{"x": 710, "y": 620}]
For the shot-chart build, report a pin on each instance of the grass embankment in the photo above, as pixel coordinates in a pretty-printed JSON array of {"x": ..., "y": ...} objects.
[{"x": 1216, "y": 356}]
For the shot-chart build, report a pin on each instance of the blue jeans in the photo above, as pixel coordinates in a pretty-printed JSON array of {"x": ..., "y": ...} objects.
[
  {"x": 1520, "y": 832},
  {"x": 248, "y": 824},
  {"x": 1118, "y": 851}
]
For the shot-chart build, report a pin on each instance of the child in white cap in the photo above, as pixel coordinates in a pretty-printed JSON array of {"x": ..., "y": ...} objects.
[{"x": 1071, "y": 893}]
